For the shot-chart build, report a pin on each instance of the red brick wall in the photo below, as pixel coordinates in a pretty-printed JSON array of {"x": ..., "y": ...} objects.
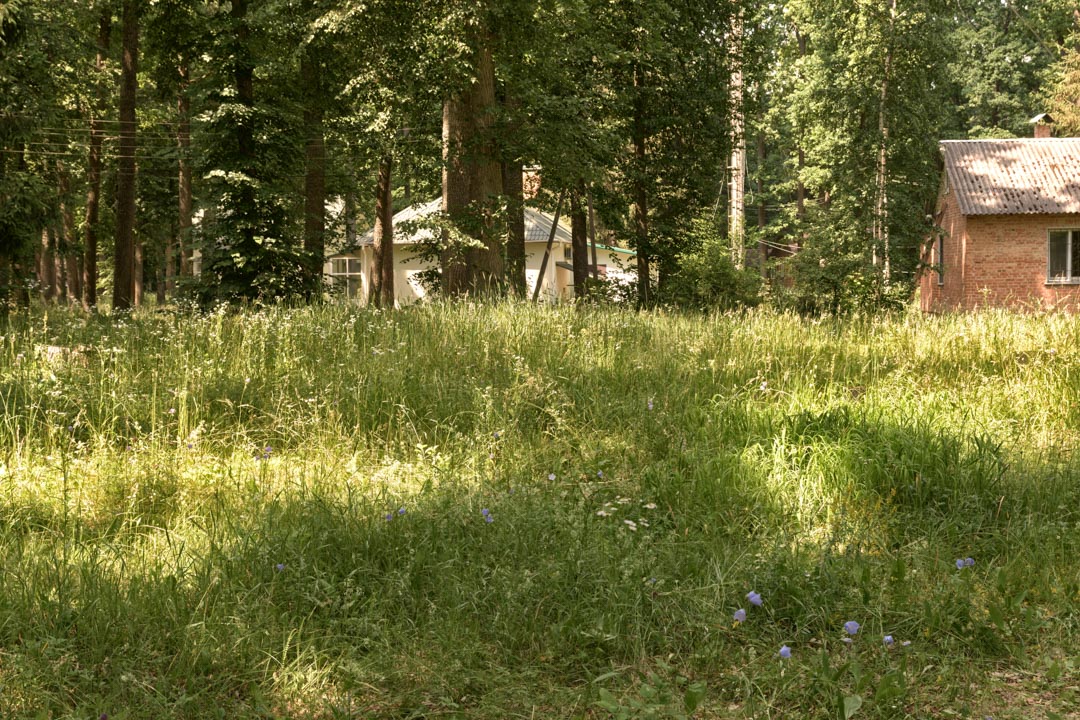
[
  {"x": 994, "y": 260},
  {"x": 949, "y": 295},
  {"x": 1006, "y": 262}
]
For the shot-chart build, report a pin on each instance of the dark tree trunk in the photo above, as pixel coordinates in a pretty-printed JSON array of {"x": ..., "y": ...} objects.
[
  {"x": 472, "y": 178},
  {"x": 514, "y": 190},
  {"x": 315, "y": 165},
  {"x": 46, "y": 266},
  {"x": 124, "y": 253},
  {"x": 579, "y": 241},
  {"x": 184, "y": 196},
  {"x": 137, "y": 275},
  {"x": 93, "y": 168},
  {"x": 382, "y": 270},
  {"x": 68, "y": 242},
  {"x": 244, "y": 78},
  {"x": 762, "y": 218},
  {"x": 640, "y": 193}
]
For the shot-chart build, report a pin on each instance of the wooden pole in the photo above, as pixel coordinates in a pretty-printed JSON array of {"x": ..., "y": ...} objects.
[{"x": 547, "y": 250}]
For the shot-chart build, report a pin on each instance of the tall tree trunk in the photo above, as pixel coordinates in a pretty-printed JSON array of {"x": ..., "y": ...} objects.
[
  {"x": 93, "y": 167},
  {"x": 514, "y": 190},
  {"x": 579, "y": 241},
  {"x": 800, "y": 186},
  {"x": 382, "y": 257},
  {"x": 137, "y": 275},
  {"x": 68, "y": 243},
  {"x": 737, "y": 166},
  {"x": 244, "y": 78},
  {"x": 762, "y": 217},
  {"x": 881, "y": 202},
  {"x": 46, "y": 265},
  {"x": 472, "y": 178},
  {"x": 314, "y": 165},
  {"x": 185, "y": 206},
  {"x": 640, "y": 193},
  {"x": 594, "y": 268},
  {"x": 124, "y": 253}
]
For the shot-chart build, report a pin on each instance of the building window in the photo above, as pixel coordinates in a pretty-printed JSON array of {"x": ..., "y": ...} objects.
[
  {"x": 345, "y": 274},
  {"x": 1063, "y": 263},
  {"x": 940, "y": 252}
]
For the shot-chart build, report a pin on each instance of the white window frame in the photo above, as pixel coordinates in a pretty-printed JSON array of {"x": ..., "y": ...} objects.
[
  {"x": 342, "y": 278},
  {"x": 1072, "y": 259}
]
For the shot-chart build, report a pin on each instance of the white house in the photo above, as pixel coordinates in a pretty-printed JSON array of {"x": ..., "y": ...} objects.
[{"x": 350, "y": 268}]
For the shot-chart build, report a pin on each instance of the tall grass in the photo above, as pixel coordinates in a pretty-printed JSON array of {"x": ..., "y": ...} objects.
[{"x": 282, "y": 513}]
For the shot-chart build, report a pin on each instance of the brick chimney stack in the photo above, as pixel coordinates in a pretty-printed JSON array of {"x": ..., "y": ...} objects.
[{"x": 1044, "y": 125}]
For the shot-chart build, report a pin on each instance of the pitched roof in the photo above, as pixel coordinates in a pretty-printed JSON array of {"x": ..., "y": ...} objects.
[
  {"x": 537, "y": 225},
  {"x": 1014, "y": 177}
]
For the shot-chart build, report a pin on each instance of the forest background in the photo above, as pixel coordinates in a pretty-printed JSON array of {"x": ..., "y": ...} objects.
[{"x": 713, "y": 138}]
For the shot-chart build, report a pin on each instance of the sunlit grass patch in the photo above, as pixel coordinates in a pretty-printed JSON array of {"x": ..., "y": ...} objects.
[{"x": 474, "y": 511}]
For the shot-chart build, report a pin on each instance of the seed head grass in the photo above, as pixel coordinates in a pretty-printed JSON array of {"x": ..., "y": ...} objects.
[{"x": 501, "y": 510}]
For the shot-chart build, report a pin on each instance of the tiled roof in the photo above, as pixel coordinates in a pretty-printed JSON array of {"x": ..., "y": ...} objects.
[
  {"x": 537, "y": 225},
  {"x": 1014, "y": 177}
]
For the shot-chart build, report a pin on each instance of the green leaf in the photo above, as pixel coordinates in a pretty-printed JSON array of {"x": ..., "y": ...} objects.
[
  {"x": 852, "y": 703},
  {"x": 693, "y": 696}
]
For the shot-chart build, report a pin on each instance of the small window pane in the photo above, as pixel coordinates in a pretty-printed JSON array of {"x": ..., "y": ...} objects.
[
  {"x": 337, "y": 266},
  {"x": 354, "y": 266},
  {"x": 1059, "y": 255}
]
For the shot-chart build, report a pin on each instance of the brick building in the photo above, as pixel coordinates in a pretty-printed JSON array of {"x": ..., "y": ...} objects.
[{"x": 1009, "y": 211}]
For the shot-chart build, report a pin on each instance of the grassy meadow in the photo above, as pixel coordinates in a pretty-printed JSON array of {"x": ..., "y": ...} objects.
[{"x": 505, "y": 511}]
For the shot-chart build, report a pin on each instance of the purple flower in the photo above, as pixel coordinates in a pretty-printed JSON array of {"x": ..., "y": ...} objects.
[
  {"x": 103, "y": 716},
  {"x": 754, "y": 599},
  {"x": 785, "y": 651},
  {"x": 969, "y": 562},
  {"x": 740, "y": 616},
  {"x": 489, "y": 519},
  {"x": 496, "y": 434},
  {"x": 888, "y": 640},
  {"x": 959, "y": 564},
  {"x": 401, "y": 511},
  {"x": 650, "y": 404},
  {"x": 280, "y": 567},
  {"x": 389, "y": 517},
  {"x": 599, "y": 473},
  {"x": 551, "y": 476},
  {"x": 485, "y": 512},
  {"x": 851, "y": 627}
]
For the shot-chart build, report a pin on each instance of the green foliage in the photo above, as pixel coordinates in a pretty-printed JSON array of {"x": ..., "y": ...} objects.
[{"x": 706, "y": 279}]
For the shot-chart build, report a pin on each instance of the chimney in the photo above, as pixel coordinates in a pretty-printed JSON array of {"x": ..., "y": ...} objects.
[{"x": 1044, "y": 125}]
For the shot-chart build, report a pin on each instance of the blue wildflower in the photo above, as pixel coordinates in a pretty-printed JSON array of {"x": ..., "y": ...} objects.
[
  {"x": 754, "y": 599},
  {"x": 851, "y": 627},
  {"x": 489, "y": 519},
  {"x": 785, "y": 651},
  {"x": 485, "y": 512},
  {"x": 401, "y": 511},
  {"x": 888, "y": 639},
  {"x": 389, "y": 517},
  {"x": 551, "y": 476},
  {"x": 280, "y": 567},
  {"x": 969, "y": 562},
  {"x": 959, "y": 564},
  {"x": 599, "y": 473},
  {"x": 740, "y": 616}
]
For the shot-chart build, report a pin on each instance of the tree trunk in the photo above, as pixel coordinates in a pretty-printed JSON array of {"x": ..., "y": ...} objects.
[
  {"x": 471, "y": 180},
  {"x": 315, "y": 164},
  {"x": 93, "y": 167},
  {"x": 640, "y": 193},
  {"x": 46, "y": 265},
  {"x": 244, "y": 79},
  {"x": 183, "y": 142},
  {"x": 881, "y": 202},
  {"x": 762, "y": 217},
  {"x": 514, "y": 190},
  {"x": 737, "y": 166},
  {"x": 137, "y": 275},
  {"x": 124, "y": 253},
  {"x": 594, "y": 268},
  {"x": 69, "y": 243},
  {"x": 579, "y": 242},
  {"x": 382, "y": 262}
]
